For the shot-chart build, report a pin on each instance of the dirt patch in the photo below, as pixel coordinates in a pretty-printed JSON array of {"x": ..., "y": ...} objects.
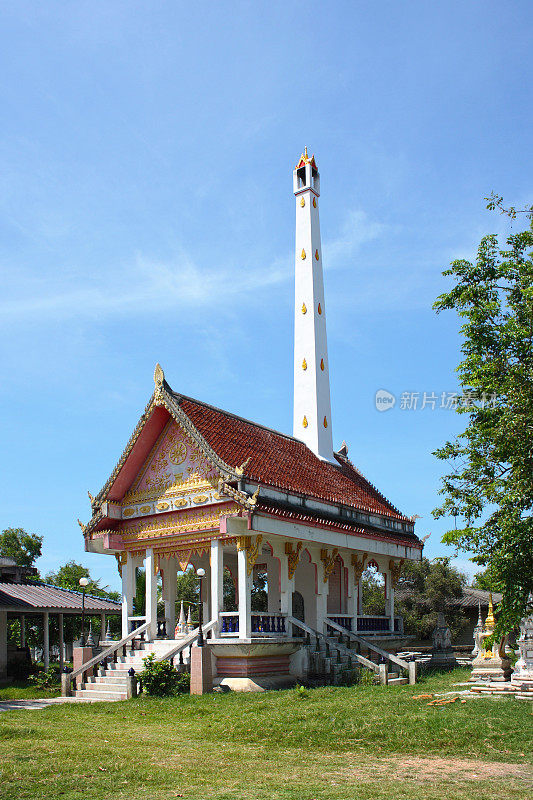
[{"x": 439, "y": 769}]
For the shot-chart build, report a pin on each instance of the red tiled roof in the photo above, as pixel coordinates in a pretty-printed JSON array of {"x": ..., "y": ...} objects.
[
  {"x": 283, "y": 462},
  {"x": 43, "y": 596}
]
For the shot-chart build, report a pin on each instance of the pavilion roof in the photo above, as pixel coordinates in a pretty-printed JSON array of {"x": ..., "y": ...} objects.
[{"x": 45, "y": 597}]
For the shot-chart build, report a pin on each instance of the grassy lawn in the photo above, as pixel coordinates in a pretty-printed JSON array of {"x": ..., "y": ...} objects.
[
  {"x": 20, "y": 690},
  {"x": 369, "y": 743}
]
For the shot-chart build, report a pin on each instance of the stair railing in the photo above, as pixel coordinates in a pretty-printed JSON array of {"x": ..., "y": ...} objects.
[
  {"x": 187, "y": 641},
  {"x": 104, "y": 656},
  {"x": 365, "y": 662},
  {"x": 408, "y": 666}
]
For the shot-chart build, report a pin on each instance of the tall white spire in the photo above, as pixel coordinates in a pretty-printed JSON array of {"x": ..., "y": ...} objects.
[{"x": 312, "y": 404}]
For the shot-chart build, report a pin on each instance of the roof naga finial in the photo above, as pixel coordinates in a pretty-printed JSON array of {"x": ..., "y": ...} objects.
[{"x": 159, "y": 376}]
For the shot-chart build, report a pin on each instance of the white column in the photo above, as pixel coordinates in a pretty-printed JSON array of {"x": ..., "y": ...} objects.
[
  {"x": 151, "y": 594},
  {"x": 3, "y": 642},
  {"x": 217, "y": 583},
  {"x": 61, "y": 642},
  {"x": 351, "y": 598},
  {"x": 286, "y": 586},
  {"x": 391, "y": 606},
  {"x": 169, "y": 594},
  {"x": 245, "y": 596},
  {"x": 102, "y": 627},
  {"x": 321, "y": 598},
  {"x": 46, "y": 640},
  {"x": 128, "y": 592}
]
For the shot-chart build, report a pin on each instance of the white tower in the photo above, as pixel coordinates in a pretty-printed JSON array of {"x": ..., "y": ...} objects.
[{"x": 312, "y": 404}]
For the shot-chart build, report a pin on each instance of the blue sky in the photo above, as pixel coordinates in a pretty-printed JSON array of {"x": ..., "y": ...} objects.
[{"x": 146, "y": 214}]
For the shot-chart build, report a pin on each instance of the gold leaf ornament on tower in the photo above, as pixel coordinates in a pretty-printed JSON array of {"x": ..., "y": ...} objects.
[
  {"x": 325, "y": 422},
  {"x": 303, "y": 255},
  {"x": 304, "y": 364},
  {"x": 319, "y": 309},
  {"x": 304, "y": 308},
  {"x": 314, "y": 202},
  {"x": 322, "y": 364},
  {"x": 316, "y": 255},
  {"x": 302, "y": 201},
  {"x": 305, "y": 423}
]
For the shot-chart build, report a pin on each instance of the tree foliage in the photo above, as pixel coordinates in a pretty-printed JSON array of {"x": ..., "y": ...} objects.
[
  {"x": 489, "y": 489},
  {"x": 24, "y": 548},
  {"x": 68, "y": 577},
  {"x": 425, "y": 588}
]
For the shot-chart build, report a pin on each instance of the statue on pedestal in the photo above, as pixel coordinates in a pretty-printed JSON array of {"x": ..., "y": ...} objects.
[
  {"x": 442, "y": 655},
  {"x": 491, "y": 663},
  {"x": 478, "y": 630},
  {"x": 523, "y": 670}
]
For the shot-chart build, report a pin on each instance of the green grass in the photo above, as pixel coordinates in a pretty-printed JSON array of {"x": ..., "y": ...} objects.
[
  {"x": 369, "y": 743},
  {"x": 22, "y": 690}
]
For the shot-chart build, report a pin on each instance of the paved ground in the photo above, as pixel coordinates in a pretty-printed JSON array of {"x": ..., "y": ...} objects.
[{"x": 31, "y": 705}]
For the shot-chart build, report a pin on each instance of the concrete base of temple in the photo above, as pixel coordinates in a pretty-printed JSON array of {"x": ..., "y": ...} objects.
[
  {"x": 262, "y": 662},
  {"x": 259, "y": 683}
]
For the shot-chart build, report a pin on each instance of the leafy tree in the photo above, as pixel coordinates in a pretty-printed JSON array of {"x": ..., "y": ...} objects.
[
  {"x": 68, "y": 577},
  {"x": 425, "y": 588},
  {"x": 490, "y": 485},
  {"x": 484, "y": 580},
  {"x": 24, "y": 548}
]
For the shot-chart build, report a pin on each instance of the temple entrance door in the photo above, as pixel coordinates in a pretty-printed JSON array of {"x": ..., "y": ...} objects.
[{"x": 298, "y": 609}]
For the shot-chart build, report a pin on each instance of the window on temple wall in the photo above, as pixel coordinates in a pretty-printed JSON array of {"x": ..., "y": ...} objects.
[
  {"x": 260, "y": 589},
  {"x": 230, "y": 594},
  {"x": 373, "y": 591}
]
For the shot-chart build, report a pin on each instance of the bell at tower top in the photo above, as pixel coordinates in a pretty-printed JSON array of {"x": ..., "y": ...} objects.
[{"x": 306, "y": 176}]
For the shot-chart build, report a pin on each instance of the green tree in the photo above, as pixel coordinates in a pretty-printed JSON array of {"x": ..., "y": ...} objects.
[
  {"x": 489, "y": 490},
  {"x": 68, "y": 577},
  {"x": 24, "y": 548}
]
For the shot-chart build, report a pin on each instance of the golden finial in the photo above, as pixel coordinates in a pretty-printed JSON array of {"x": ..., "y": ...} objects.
[
  {"x": 159, "y": 375},
  {"x": 302, "y": 255},
  {"x": 490, "y": 622},
  {"x": 91, "y": 498},
  {"x": 240, "y": 470},
  {"x": 302, "y": 201},
  {"x": 304, "y": 364},
  {"x": 305, "y": 152},
  {"x": 304, "y": 308},
  {"x": 305, "y": 423}
]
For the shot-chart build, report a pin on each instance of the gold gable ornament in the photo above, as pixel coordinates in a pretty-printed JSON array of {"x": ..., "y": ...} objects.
[
  {"x": 293, "y": 557},
  {"x": 358, "y": 565}
]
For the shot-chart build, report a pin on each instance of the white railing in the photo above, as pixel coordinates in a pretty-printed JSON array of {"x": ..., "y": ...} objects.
[
  {"x": 111, "y": 652},
  {"x": 187, "y": 641}
]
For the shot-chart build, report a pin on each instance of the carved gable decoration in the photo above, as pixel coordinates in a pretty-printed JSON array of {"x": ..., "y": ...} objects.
[{"x": 175, "y": 475}]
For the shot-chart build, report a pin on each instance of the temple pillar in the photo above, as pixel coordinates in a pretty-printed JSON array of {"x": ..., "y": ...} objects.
[
  {"x": 46, "y": 640},
  {"x": 170, "y": 577},
  {"x": 389, "y": 598},
  {"x": 245, "y": 594},
  {"x": 128, "y": 592},
  {"x": 322, "y": 591},
  {"x": 351, "y": 598},
  {"x": 286, "y": 586},
  {"x": 151, "y": 594},
  {"x": 3, "y": 642},
  {"x": 61, "y": 642},
  {"x": 217, "y": 583},
  {"x": 102, "y": 627}
]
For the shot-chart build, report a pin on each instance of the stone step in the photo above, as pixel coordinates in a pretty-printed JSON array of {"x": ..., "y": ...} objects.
[
  {"x": 104, "y": 687},
  {"x": 395, "y": 681},
  {"x": 101, "y": 695},
  {"x": 119, "y": 680}
]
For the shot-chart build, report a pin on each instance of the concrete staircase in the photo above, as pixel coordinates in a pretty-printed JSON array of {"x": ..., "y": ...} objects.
[
  {"x": 331, "y": 657},
  {"x": 110, "y": 683}
]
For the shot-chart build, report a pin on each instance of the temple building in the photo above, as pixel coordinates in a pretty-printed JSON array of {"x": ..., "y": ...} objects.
[{"x": 200, "y": 486}]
